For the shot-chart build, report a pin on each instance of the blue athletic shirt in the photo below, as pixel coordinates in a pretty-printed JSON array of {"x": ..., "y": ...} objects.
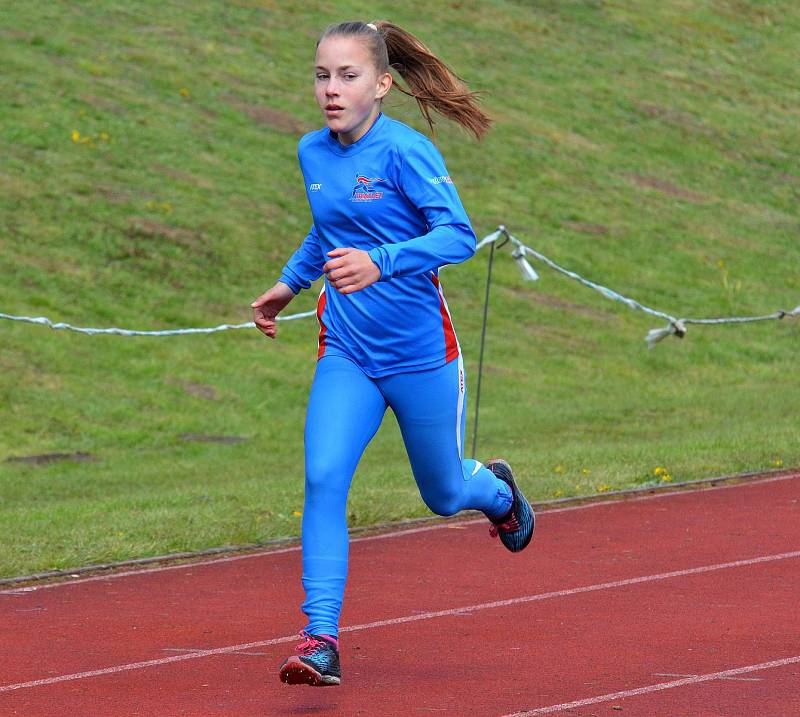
[{"x": 389, "y": 194}]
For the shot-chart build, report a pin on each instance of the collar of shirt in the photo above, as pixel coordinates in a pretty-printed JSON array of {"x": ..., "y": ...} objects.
[{"x": 348, "y": 150}]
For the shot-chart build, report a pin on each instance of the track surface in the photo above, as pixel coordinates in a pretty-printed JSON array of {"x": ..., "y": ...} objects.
[{"x": 681, "y": 604}]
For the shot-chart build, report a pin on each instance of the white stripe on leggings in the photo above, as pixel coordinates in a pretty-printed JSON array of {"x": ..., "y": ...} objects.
[{"x": 460, "y": 410}]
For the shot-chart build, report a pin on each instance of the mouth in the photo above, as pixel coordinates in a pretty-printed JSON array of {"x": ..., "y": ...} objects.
[{"x": 332, "y": 109}]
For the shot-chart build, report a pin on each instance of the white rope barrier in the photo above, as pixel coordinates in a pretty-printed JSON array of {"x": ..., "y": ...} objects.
[
  {"x": 130, "y": 332},
  {"x": 676, "y": 326},
  {"x": 521, "y": 253}
]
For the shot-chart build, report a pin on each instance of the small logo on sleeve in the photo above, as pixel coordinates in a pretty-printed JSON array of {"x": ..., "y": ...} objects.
[
  {"x": 441, "y": 180},
  {"x": 364, "y": 191},
  {"x": 314, "y": 187}
]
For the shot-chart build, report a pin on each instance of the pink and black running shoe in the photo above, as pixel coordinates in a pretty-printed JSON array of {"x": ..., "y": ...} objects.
[
  {"x": 515, "y": 528},
  {"x": 316, "y": 665}
]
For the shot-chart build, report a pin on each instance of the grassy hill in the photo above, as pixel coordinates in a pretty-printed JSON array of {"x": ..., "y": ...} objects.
[{"x": 150, "y": 181}]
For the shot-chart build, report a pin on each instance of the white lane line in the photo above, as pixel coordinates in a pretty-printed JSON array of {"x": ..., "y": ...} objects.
[
  {"x": 733, "y": 679},
  {"x": 384, "y": 536},
  {"x": 409, "y": 618},
  {"x": 145, "y": 663},
  {"x": 196, "y": 649},
  {"x": 696, "y": 679}
]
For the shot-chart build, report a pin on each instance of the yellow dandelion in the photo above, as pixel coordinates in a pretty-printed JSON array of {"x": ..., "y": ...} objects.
[
  {"x": 559, "y": 468},
  {"x": 558, "y": 493},
  {"x": 658, "y": 471},
  {"x": 76, "y": 136},
  {"x": 104, "y": 136},
  {"x": 184, "y": 92},
  {"x": 296, "y": 513},
  {"x": 603, "y": 488},
  {"x": 585, "y": 471},
  {"x": 666, "y": 477}
]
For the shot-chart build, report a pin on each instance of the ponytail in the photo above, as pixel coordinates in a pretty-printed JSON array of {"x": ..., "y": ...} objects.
[{"x": 430, "y": 81}]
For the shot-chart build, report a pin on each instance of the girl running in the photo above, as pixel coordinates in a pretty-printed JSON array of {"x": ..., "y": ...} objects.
[{"x": 386, "y": 217}]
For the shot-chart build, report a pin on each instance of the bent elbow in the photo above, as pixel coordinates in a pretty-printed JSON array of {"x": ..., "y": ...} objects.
[{"x": 468, "y": 241}]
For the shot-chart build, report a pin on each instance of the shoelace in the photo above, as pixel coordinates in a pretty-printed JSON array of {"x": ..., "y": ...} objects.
[
  {"x": 510, "y": 525},
  {"x": 310, "y": 645}
]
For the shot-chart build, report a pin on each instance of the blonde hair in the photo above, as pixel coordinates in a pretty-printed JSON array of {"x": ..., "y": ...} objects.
[{"x": 430, "y": 81}]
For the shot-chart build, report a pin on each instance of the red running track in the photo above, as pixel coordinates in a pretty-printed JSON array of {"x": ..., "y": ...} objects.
[{"x": 676, "y": 605}]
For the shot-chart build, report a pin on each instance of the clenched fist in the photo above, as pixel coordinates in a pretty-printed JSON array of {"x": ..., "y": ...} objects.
[{"x": 351, "y": 270}]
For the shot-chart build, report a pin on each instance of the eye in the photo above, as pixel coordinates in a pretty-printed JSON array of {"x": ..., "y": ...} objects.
[
  {"x": 350, "y": 76},
  {"x": 321, "y": 76}
]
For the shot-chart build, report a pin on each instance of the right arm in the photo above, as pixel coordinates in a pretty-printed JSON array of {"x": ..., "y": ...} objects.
[{"x": 303, "y": 267}]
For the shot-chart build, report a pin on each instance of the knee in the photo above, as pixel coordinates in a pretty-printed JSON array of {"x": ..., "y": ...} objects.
[
  {"x": 444, "y": 503},
  {"x": 325, "y": 477}
]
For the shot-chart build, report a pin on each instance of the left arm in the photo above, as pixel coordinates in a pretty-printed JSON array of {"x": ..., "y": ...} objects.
[{"x": 449, "y": 240}]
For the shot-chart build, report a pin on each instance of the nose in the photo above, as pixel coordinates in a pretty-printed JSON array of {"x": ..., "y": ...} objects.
[{"x": 331, "y": 88}]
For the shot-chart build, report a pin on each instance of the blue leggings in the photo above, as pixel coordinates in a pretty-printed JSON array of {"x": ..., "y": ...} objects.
[{"x": 345, "y": 409}]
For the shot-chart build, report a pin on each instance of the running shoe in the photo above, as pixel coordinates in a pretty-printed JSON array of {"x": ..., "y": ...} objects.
[
  {"x": 317, "y": 664},
  {"x": 515, "y": 528}
]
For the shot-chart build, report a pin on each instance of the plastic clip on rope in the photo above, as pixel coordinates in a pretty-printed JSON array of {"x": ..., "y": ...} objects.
[{"x": 678, "y": 326}]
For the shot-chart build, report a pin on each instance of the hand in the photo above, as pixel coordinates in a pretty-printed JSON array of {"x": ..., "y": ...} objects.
[
  {"x": 351, "y": 270},
  {"x": 267, "y": 306}
]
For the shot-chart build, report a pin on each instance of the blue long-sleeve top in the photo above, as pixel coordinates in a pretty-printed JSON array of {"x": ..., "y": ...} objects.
[{"x": 389, "y": 194}]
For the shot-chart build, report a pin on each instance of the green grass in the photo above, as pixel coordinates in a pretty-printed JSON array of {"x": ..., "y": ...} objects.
[{"x": 649, "y": 146}]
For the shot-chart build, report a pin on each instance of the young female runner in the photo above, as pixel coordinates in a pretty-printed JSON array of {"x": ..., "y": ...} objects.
[{"x": 386, "y": 217}]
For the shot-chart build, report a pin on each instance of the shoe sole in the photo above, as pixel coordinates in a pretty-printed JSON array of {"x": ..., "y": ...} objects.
[
  {"x": 515, "y": 489},
  {"x": 297, "y": 672}
]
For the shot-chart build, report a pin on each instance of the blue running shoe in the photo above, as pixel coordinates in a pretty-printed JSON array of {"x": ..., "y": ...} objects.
[
  {"x": 317, "y": 664},
  {"x": 515, "y": 528}
]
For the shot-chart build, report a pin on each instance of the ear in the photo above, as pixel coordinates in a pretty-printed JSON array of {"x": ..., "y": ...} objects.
[{"x": 383, "y": 86}]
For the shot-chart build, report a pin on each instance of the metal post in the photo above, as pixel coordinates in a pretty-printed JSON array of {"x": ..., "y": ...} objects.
[{"x": 483, "y": 341}]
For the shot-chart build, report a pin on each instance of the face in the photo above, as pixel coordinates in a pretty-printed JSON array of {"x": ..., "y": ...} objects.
[{"x": 348, "y": 87}]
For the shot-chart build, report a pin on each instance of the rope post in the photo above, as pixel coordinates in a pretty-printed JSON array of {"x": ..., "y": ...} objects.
[{"x": 483, "y": 341}]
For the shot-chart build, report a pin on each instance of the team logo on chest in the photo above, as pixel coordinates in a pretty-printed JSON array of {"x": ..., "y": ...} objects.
[{"x": 364, "y": 191}]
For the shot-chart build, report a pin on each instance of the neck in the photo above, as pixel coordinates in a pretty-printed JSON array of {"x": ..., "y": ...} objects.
[{"x": 347, "y": 138}]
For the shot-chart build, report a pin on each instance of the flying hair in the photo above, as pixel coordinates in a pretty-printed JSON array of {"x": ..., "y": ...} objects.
[{"x": 430, "y": 81}]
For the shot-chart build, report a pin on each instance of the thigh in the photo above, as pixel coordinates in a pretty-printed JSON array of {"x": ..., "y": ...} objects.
[
  {"x": 430, "y": 407},
  {"x": 345, "y": 410}
]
